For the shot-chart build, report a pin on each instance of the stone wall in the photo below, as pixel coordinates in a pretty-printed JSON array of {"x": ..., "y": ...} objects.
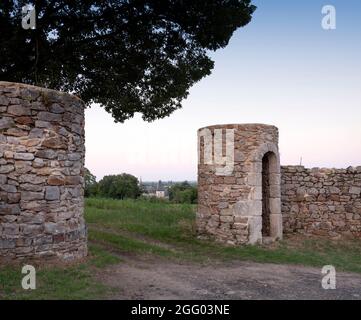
[
  {"x": 41, "y": 174},
  {"x": 230, "y": 183},
  {"x": 323, "y": 202},
  {"x": 244, "y": 196}
]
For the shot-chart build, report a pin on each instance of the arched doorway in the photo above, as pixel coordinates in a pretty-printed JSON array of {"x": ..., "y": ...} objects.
[
  {"x": 265, "y": 179},
  {"x": 266, "y": 225},
  {"x": 270, "y": 197},
  {"x": 265, "y": 196}
]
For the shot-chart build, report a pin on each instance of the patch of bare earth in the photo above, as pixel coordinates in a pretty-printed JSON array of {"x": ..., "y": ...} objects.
[{"x": 155, "y": 278}]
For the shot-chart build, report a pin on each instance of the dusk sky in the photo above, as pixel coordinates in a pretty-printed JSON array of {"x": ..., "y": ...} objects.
[{"x": 281, "y": 69}]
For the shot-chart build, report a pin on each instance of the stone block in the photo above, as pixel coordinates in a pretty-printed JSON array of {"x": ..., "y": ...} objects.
[
  {"x": 355, "y": 190},
  {"x": 248, "y": 208},
  {"x": 275, "y": 205},
  {"x": 49, "y": 116},
  {"x": 19, "y": 110},
  {"x": 6, "y": 123},
  {"x": 226, "y": 218},
  {"x": 6, "y": 168},
  {"x": 52, "y": 193},
  {"x": 29, "y": 195},
  {"x": 56, "y": 181},
  {"x": 275, "y": 179},
  {"x": 276, "y": 229},
  {"x": 254, "y": 179},
  {"x": 275, "y": 191},
  {"x": 8, "y": 188},
  {"x": 255, "y": 230},
  {"x": 24, "y": 156}
]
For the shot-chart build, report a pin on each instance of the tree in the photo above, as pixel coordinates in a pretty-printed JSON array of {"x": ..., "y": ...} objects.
[
  {"x": 119, "y": 186},
  {"x": 91, "y": 185},
  {"x": 127, "y": 55},
  {"x": 183, "y": 193}
]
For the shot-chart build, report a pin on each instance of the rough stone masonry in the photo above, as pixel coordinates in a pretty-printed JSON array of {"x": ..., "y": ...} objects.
[
  {"x": 234, "y": 206},
  {"x": 257, "y": 199},
  {"x": 321, "y": 201},
  {"x": 41, "y": 174}
]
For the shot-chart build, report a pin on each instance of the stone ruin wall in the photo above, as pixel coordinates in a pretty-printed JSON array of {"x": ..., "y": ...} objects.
[
  {"x": 41, "y": 174},
  {"x": 230, "y": 205},
  {"x": 318, "y": 202},
  {"x": 322, "y": 202}
]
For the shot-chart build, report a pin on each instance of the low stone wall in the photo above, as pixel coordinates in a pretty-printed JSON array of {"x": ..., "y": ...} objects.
[
  {"x": 41, "y": 174},
  {"x": 323, "y": 202}
]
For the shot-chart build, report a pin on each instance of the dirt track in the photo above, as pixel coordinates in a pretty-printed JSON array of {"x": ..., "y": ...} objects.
[{"x": 138, "y": 278}]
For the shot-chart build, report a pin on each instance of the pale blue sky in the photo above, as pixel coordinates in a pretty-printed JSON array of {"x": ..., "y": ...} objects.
[{"x": 281, "y": 69}]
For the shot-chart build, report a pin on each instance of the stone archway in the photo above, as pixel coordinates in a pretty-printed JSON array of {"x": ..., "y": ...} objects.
[
  {"x": 267, "y": 190},
  {"x": 266, "y": 226},
  {"x": 271, "y": 202}
]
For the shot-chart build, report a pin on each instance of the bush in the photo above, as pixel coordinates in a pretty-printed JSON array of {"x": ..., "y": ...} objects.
[
  {"x": 183, "y": 193},
  {"x": 119, "y": 186}
]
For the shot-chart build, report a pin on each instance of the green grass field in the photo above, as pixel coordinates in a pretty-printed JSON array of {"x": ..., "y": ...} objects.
[
  {"x": 121, "y": 228},
  {"x": 169, "y": 230}
]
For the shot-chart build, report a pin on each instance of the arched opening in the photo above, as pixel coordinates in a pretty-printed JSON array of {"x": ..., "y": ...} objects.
[{"x": 266, "y": 194}]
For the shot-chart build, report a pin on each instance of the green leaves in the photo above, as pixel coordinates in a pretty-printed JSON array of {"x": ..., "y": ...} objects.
[
  {"x": 183, "y": 193},
  {"x": 119, "y": 186},
  {"x": 129, "y": 56}
]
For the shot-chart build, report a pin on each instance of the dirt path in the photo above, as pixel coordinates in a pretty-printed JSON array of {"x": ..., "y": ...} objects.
[{"x": 151, "y": 278}]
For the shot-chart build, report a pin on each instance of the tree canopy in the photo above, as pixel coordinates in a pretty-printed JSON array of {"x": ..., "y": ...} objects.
[
  {"x": 127, "y": 55},
  {"x": 120, "y": 186}
]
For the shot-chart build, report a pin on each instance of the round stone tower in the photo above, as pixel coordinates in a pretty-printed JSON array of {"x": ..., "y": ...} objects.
[
  {"x": 239, "y": 194},
  {"x": 41, "y": 174}
]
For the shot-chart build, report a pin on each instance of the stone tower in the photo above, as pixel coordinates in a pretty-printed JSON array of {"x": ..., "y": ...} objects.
[
  {"x": 239, "y": 193},
  {"x": 41, "y": 174}
]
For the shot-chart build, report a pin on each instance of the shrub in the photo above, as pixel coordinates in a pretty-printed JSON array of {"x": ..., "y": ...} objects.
[
  {"x": 183, "y": 193},
  {"x": 119, "y": 186}
]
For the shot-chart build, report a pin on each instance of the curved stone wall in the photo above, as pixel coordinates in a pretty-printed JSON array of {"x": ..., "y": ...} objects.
[
  {"x": 239, "y": 183},
  {"x": 41, "y": 174}
]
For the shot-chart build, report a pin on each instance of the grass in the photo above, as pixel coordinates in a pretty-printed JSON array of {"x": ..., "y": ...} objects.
[
  {"x": 158, "y": 220},
  {"x": 75, "y": 282},
  {"x": 145, "y": 227},
  {"x": 165, "y": 230},
  {"x": 125, "y": 244}
]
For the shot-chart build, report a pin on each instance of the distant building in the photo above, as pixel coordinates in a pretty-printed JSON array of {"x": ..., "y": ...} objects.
[
  {"x": 159, "y": 189},
  {"x": 160, "y": 194}
]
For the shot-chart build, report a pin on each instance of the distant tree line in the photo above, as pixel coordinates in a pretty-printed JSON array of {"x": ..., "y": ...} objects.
[{"x": 126, "y": 186}]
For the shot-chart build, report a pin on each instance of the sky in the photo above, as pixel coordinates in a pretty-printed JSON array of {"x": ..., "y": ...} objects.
[{"x": 282, "y": 69}]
